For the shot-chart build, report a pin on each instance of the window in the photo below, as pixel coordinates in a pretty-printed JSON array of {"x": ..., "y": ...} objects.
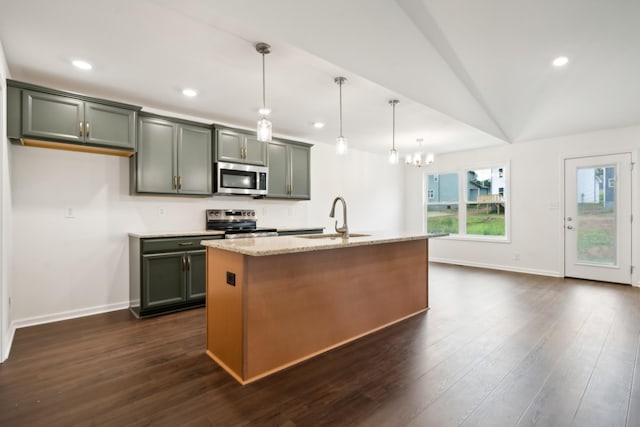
[
  {"x": 442, "y": 205},
  {"x": 482, "y": 212}
]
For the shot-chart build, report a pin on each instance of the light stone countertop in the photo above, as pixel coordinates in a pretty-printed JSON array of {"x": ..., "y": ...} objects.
[
  {"x": 152, "y": 234},
  {"x": 264, "y": 246}
]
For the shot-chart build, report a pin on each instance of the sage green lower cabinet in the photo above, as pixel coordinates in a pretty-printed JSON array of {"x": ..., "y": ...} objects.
[
  {"x": 289, "y": 170},
  {"x": 167, "y": 274},
  {"x": 172, "y": 158}
]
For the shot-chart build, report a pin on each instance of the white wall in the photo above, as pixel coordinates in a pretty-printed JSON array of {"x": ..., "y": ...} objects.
[
  {"x": 536, "y": 193},
  {"x": 68, "y": 267},
  {"x": 5, "y": 217}
]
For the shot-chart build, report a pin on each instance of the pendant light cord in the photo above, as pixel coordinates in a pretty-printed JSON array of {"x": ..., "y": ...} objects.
[
  {"x": 340, "y": 84},
  {"x": 264, "y": 90},
  {"x": 393, "y": 131}
]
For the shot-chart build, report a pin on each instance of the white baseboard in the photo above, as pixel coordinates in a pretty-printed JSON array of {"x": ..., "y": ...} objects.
[
  {"x": 65, "y": 315},
  {"x": 498, "y": 267}
]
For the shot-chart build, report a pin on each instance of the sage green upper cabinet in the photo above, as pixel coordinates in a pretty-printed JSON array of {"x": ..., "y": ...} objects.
[
  {"x": 48, "y": 116},
  {"x": 240, "y": 147},
  {"x": 172, "y": 158},
  {"x": 156, "y": 157},
  {"x": 194, "y": 160},
  {"x": 52, "y": 116},
  {"x": 107, "y": 125},
  {"x": 278, "y": 170},
  {"x": 289, "y": 170}
]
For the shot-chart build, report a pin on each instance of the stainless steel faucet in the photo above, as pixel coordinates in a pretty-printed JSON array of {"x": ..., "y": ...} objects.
[{"x": 344, "y": 230}]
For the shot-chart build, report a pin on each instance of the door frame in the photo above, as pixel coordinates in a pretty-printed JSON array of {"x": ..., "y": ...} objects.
[{"x": 635, "y": 195}]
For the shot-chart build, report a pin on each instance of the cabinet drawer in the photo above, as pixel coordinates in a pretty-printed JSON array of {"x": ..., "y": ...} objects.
[{"x": 172, "y": 244}]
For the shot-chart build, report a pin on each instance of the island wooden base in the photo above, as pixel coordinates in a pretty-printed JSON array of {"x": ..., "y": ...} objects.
[{"x": 287, "y": 308}]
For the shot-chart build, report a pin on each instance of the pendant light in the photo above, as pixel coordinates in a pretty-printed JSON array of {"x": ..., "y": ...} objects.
[
  {"x": 264, "y": 125},
  {"x": 393, "y": 154},
  {"x": 419, "y": 159},
  {"x": 342, "y": 146}
]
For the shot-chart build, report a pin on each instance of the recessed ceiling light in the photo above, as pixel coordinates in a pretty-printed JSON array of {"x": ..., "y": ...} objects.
[
  {"x": 189, "y": 92},
  {"x": 264, "y": 111},
  {"x": 560, "y": 61},
  {"x": 318, "y": 125},
  {"x": 83, "y": 65}
]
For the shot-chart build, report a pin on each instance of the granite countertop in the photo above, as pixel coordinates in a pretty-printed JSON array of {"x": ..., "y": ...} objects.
[
  {"x": 264, "y": 246},
  {"x": 152, "y": 234}
]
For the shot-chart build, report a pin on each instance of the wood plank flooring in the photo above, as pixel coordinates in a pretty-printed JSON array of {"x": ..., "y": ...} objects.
[{"x": 496, "y": 349}]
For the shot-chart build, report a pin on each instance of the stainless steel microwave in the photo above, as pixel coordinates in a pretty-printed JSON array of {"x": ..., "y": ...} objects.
[{"x": 236, "y": 178}]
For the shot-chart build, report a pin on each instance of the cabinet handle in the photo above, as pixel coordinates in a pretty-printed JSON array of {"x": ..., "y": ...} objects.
[
  {"x": 86, "y": 125},
  {"x": 175, "y": 182},
  {"x": 184, "y": 263},
  {"x": 185, "y": 243},
  {"x": 81, "y": 127},
  {"x": 179, "y": 182},
  {"x": 188, "y": 262}
]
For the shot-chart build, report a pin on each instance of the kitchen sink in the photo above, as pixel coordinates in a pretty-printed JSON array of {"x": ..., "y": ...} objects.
[{"x": 330, "y": 236}]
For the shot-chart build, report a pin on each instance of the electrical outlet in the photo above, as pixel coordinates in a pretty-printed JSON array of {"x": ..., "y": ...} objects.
[
  {"x": 69, "y": 213},
  {"x": 161, "y": 211}
]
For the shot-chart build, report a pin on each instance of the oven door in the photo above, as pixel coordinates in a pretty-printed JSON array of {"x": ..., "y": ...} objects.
[{"x": 235, "y": 178}]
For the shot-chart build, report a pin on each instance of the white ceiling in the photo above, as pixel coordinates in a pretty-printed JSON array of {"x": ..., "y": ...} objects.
[{"x": 468, "y": 74}]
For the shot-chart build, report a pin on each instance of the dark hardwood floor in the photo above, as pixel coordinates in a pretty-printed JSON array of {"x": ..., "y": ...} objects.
[{"x": 496, "y": 349}]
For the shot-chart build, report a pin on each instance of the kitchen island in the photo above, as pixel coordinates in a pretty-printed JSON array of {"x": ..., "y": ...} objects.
[{"x": 273, "y": 302}]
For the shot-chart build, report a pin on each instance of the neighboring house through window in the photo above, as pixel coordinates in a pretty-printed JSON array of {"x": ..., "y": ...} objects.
[{"x": 484, "y": 211}]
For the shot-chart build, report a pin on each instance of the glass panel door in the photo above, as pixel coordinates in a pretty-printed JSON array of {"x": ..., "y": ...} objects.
[{"x": 597, "y": 222}]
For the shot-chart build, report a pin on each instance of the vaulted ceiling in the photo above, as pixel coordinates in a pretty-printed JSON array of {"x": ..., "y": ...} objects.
[{"x": 468, "y": 74}]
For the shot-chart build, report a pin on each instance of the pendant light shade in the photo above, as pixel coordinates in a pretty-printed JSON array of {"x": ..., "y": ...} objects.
[
  {"x": 342, "y": 145},
  {"x": 264, "y": 125},
  {"x": 394, "y": 156}
]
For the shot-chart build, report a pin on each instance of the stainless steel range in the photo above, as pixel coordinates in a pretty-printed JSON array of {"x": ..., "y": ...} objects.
[{"x": 237, "y": 223}]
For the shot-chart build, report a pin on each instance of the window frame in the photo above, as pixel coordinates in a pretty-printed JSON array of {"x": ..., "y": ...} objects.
[{"x": 463, "y": 201}]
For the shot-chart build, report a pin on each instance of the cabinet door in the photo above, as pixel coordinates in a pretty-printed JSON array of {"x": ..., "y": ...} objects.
[
  {"x": 196, "y": 275},
  {"x": 300, "y": 172},
  {"x": 52, "y": 116},
  {"x": 229, "y": 145},
  {"x": 256, "y": 151},
  {"x": 278, "y": 170},
  {"x": 163, "y": 279},
  {"x": 112, "y": 126},
  {"x": 156, "y": 159},
  {"x": 194, "y": 160}
]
